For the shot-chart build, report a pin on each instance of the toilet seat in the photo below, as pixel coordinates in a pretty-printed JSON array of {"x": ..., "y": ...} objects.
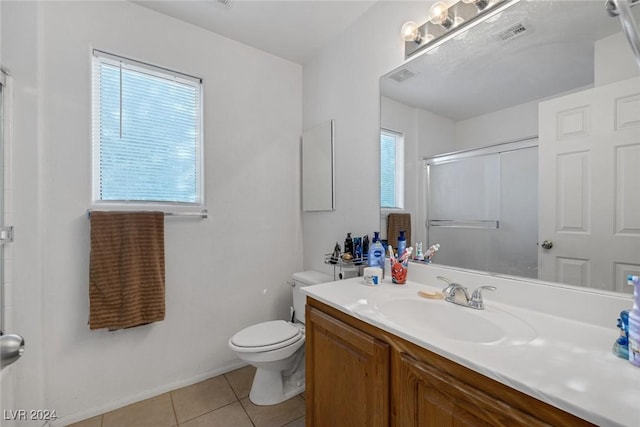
[{"x": 266, "y": 336}]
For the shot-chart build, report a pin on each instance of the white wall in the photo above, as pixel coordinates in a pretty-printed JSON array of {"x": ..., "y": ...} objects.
[
  {"x": 223, "y": 273},
  {"x": 613, "y": 60},
  {"x": 342, "y": 83},
  {"x": 510, "y": 124}
]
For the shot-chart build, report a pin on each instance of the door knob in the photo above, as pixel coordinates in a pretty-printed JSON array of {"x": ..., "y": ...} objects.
[
  {"x": 547, "y": 244},
  {"x": 11, "y": 348}
]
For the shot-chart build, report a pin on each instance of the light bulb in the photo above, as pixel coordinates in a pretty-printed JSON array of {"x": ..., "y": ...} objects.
[
  {"x": 410, "y": 32},
  {"x": 438, "y": 13}
]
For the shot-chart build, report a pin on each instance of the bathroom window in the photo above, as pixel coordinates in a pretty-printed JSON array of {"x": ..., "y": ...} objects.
[
  {"x": 391, "y": 170},
  {"x": 147, "y": 133}
]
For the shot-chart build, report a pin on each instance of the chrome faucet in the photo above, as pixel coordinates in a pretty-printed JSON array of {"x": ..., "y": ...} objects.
[
  {"x": 476, "y": 297},
  {"x": 458, "y": 294}
]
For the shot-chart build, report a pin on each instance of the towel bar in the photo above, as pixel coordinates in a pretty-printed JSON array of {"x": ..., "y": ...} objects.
[
  {"x": 458, "y": 223},
  {"x": 204, "y": 213}
]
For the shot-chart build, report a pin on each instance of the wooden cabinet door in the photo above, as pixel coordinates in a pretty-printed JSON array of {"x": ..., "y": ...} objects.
[
  {"x": 347, "y": 375},
  {"x": 430, "y": 397}
]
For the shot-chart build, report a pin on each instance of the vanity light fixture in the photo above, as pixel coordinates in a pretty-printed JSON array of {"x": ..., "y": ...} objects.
[{"x": 447, "y": 19}]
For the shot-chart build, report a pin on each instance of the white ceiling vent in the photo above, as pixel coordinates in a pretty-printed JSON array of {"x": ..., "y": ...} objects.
[
  {"x": 514, "y": 31},
  {"x": 402, "y": 75}
]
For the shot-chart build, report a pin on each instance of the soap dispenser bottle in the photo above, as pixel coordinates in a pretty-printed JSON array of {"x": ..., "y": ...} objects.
[
  {"x": 402, "y": 244},
  {"x": 634, "y": 322}
]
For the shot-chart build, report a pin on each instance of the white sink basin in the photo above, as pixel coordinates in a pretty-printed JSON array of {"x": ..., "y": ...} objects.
[{"x": 438, "y": 318}]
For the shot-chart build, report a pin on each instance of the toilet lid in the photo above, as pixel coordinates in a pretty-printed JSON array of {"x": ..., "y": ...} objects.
[{"x": 267, "y": 334}]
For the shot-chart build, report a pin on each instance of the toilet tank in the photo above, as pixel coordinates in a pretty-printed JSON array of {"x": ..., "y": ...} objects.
[{"x": 305, "y": 278}]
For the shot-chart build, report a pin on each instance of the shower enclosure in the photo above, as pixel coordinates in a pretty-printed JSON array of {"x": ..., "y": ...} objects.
[{"x": 482, "y": 207}]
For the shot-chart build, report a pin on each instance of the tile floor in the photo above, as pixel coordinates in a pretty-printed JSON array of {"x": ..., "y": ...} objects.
[{"x": 222, "y": 401}]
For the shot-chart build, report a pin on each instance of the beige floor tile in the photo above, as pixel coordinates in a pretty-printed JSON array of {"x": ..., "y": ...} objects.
[
  {"x": 195, "y": 400},
  {"x": 228, "y": 416},
  {"x": 241, "y": 380},
  {"x": 275, "y": 415},
  {"x": 297, "y": 423},
  {"x": 89, "y": 422},
  {"x": 154, "y": 412}
]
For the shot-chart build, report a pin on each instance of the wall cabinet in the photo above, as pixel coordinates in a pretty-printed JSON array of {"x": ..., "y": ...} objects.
[{"x": 359, "y": 375}]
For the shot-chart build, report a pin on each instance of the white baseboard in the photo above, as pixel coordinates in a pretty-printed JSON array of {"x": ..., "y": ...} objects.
[{"x": 99, "y": 410}]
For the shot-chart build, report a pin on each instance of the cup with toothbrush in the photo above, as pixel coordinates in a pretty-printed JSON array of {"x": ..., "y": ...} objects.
[{"x": 399, "y": 265}]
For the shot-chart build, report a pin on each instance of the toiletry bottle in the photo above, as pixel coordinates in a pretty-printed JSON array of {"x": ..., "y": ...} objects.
[
  {"x": 419, "y": 255},
  {"x": 621, "y": 346},
  {"x": 365, "y": 244},
  {"x": 375, "y": 257},
  {"x": 357, "y": 250},
  {"x": 402, "y": 244},
  {"x": 348, "y": 244},
  {"x": 634, "y": 322}
]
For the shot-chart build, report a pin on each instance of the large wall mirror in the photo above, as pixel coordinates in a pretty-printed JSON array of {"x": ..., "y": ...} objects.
[{"x": 521, "y": 142}]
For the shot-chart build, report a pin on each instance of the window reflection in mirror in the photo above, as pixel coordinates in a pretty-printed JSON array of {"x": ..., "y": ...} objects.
[{"x": 391, "y": 169}]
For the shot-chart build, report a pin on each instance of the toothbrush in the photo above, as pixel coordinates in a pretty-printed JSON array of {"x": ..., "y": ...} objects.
[
  {"x": 406, "y": 255},
  {"x": 392, "y": 258}
]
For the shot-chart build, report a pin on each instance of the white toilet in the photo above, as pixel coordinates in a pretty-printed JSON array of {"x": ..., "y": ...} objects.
[{"x": 276, "y": 348}]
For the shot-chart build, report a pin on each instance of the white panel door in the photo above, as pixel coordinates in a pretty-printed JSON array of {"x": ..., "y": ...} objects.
[{"x": 589, "y": 184}]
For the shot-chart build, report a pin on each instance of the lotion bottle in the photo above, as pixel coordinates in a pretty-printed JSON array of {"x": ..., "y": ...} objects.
[{"x": 375, "y": 256}]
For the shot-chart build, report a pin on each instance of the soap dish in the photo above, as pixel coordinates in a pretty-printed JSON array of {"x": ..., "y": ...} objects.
[{"x": 431, "y": 294}]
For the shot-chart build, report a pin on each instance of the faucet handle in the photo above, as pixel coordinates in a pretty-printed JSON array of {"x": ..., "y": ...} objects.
[
  {"x": 450, "y": 285},
  {"x": 450, "y": 288},
  {"x": 476, "y": 297},
  {"x": 445, "y": 279}
]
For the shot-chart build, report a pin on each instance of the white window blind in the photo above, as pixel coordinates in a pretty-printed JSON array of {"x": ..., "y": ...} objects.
[
  {"x": 391, "y": 170},
  {"x": 147, "y": 133}
]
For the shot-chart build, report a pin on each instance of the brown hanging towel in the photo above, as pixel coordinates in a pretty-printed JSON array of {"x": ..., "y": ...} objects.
[
  {"x": 126, "y": 274},
  {"x": 395, "y": 223}
]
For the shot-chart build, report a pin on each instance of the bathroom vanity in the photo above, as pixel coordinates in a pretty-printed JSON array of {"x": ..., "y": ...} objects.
[{"x": 380, "y": 356}]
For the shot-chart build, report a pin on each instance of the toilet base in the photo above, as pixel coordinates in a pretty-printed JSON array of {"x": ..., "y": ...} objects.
[
  {"x": 268, "y": 388},
  {"x": 271, "y": 387}
]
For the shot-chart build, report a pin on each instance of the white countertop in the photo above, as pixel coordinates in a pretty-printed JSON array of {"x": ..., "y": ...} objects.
[{"x": 569, "y": 364}]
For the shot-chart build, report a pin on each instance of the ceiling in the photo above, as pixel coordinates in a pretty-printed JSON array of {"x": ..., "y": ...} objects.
[
  {"x": 291, "y": 29},
  {"x": 481, "y": 72}
]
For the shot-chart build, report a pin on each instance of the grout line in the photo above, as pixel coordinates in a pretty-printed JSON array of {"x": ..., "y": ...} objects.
[
  {"x": 208, "y": 412},
  {"x": 247, "y": 413},
  {"x": 231, "y": 387},
  {"x": 239, "y": 400},
  {"x": 173, "y": 406}
]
